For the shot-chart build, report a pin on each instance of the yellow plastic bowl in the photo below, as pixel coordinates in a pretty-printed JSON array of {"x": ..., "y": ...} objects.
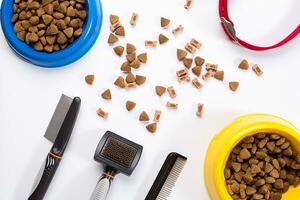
[{"x": 220, "y": 147}]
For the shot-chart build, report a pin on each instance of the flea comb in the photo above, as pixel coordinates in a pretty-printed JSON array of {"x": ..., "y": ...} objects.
[{"x": 167, "y": 176}]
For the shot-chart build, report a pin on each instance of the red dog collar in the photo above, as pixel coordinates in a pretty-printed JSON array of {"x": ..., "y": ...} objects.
[{"x": 228, "y": 27}]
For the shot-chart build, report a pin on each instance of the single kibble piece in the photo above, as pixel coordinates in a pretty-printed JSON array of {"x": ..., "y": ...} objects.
[
  {"x": 134, "y": 19},
  {"x": 197, "y": 70},
  {"x": 172, "y": 92},
  {"x": 131, "y": 85},
  {"x": 171, "y": 105},
  {"x": 245, "y": 154},
  {"x": 157, "y": 116},
  {"x": 195, "y": 43},
  {"x": 244, "y": 65},
  {"x": 151, "y": 127},
  {"x": 119, "y": 50},
  {"x": 188, "y": 4},
  {"x": 150, "y": 43},
  {"x": 219, "y": 75},
  {"x": 120, "y": 82},
  {"x": 190, "y": 48},
  {"x": 140, "y": 79},
  {"x": 106, "y": 94},
  {"x": 144, "y": 117},
  {"x": 120, "y": 31},
  {"x": 162, "y": 39},
  {"x": 102, "y": 113},
  {"x": 160, "y": 90},
  {"x": 113, "y": 19},
  {"x": 233, "y": 85},
  {"x": 164, "y": 22},
  {"x": 181, "y": 54},
  {"x": 89, "y": 79},
  {"x": 197, "y": 83},
  {"x": 210, "y": 66},
  {"x": 135, "y": 63},
  {"x": 130, "y": 105},
  {"x": 130, "y": 78},
  {"x": 177, "y": 30},
  {"x": 187, "y": 62},
  {"x": 112, "y": 39},
  {"x": 199, "y": 111},
  {"x": 257, "y": 70},
  {"x": 199, "y": 61},
  {"x": 142, "y": 57},
  {"x": 130, "y": 48},
  {"x": 125, "y": 67},
  {"x": 182, "y": 72}
]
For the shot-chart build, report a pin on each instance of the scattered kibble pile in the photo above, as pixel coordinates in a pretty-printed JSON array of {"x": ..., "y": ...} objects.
[
  {"x": 262, "y": 166},
  {"x": 48, "y": 25}
]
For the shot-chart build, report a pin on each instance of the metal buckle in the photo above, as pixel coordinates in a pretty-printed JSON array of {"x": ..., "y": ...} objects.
[{"x": 230, "y": 29}]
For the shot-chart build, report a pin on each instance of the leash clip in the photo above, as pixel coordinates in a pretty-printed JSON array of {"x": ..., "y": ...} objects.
[{"x": 230, "y": 29}]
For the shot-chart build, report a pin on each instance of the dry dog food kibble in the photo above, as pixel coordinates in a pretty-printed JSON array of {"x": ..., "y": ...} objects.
[
  {"x": 171, "y": 92},
  {"x": 106, "y": 94},
  {"x": 244, "y": 65},
  {"x": 262, "y": 166},
  {"x": 102, "y": 113},
  {"x": 130, "y": 105},
  {"x": 89, "y": 79},
  {"x": 188, "y": 4},
  {"x": 162, "y": 39},
  {"x": 177, "y": 30},
  {"x": 48, "y": 25},
  {"x": 151, "y": 127},
  {"x": 160, "y": 90},
  {"x": 257, "y": 70},
  {"x": 164, "y": 22},
  {"x": 134, "y": 19},
  {"x": 144, "y": 117}
]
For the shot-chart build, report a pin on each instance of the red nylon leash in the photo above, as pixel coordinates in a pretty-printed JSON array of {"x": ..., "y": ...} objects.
[{"x": 228, "y": 27}]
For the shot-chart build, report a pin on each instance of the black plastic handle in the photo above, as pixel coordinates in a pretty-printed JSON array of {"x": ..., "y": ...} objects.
[{"x": 51, "y": 165}]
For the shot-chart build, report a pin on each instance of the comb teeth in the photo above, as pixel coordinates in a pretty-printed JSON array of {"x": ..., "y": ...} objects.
[{"x": 171, "y": 180}]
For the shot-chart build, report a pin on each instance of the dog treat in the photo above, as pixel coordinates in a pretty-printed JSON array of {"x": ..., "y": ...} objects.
[
  {"x": 181, "y": 54},
  {"x": 177, "y": 30},
  {"x": 199, "y": 111},
  {"x": 112, "y": 39},
  {"x": 151, "y": 127},
  {"x": 160, "y": 90},
  {"x": 233, "y": 85},
  {"x": 130, "y": 78},
  {"x": 257, "y": 70},
  {"x": 199, "y": 61},
  {"x": 187, "y": 62},
  {"x": 89, "y": 79},
  {"x": 135, "y": 63},
  {"x": 244, "y": 65},
  {"x": 134, "y": 19},
  {"x": 34, "y": 21},
  {"x": 171, "y": 92},
  {"x": 130, "y": 105},
  {"x": 120, "y": 31},
  {"x": 171, "y": 105},
  {"x": 162, "y": 39},
  {"x": 102, "y": 113},
  {"x": 113, "y": 19},
  {"x": 197, "y": 70},
  {"x": 184, "y": 78},
  {"x": 213, "y": 67},
  {"x": 197, "y": 83},
  {"x": 157, "y": 116},
  {"x": 140, "y": 79},
  {"x": 144, "y": 117},
  {"x": 188, "y": 4},
  {"x": 120, "y": 82},
  {"x": 130, "y": 48},
  {"x": 182, "y": 72},
  {"x": 219, "y": 75},
  {"x": 106, "y": 94},
  {"x": 119, "y": 50},
  {"x": 142, "y": 57},
  {"x": 150, "y": 43},
  {"x": 125, "y": 67},
  {"x": 262, "y": 167},
  {"x": 190, "y": 48},
  {"x": 164, "y": 22},
  {"x": 131, "y": 85},
  {"x": 206, "y": 76},
  {"x": 130, "y": 57},
  {"x": 195, "y": 43}
]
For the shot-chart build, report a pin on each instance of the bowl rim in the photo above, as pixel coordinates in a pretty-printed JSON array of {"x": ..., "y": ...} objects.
[{"x": 60, "y": 58}]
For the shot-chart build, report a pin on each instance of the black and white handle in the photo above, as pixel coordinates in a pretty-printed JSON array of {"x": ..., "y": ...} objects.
[{"x": 101, "y": 190}]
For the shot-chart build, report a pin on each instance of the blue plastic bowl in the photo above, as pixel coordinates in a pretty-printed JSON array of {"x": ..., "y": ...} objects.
[{"x": 70, "y": 54}]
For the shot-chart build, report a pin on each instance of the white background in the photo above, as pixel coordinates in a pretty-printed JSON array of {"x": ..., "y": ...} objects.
[{"x": 28, "y": 96}]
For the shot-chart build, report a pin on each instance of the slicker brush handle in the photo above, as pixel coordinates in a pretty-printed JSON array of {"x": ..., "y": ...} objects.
[{"x": 101, "y": 190}]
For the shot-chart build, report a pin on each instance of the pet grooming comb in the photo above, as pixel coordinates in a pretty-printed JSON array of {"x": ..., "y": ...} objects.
[
  {"x": 118, "y": 155},
  {"x": 167, "y": 176}
]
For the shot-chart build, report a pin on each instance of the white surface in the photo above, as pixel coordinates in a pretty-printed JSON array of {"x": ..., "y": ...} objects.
[{"x": 29, "y": 95}]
